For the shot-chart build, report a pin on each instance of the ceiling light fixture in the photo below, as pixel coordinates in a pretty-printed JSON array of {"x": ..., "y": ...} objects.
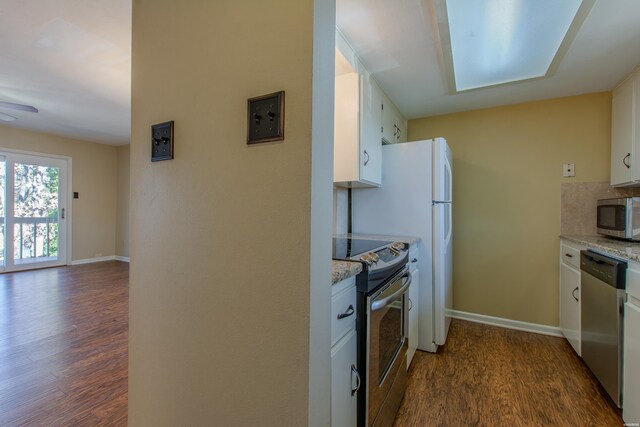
[
  {"x": 493, "y": 42},
  {"x": 7, "y": 118},
  {"x": 20, "y": 107}
]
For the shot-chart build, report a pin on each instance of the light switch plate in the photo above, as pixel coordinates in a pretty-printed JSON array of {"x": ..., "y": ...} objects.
[
  {"x": 265, "y": 118},
  {"x": 568, "y": 170},
  {"x": 162, "y": 141}
]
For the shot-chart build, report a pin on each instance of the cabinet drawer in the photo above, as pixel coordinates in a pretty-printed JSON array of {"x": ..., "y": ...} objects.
[
  {"x": 343, "y": 305},
  {"x": 570, "y": 256},
  {"x": 633, "y": 283}
]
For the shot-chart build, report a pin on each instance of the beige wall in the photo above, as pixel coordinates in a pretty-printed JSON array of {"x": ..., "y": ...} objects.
[
  {"x": 223, "y": 275},
  {"x": 122, "y": 207},
  {"x": 94, "y": 177},
  {"x": 507, "y": 176}
]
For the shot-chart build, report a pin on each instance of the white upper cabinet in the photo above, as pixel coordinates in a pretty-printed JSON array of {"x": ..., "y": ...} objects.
[
  {"x": 371, "y": 145},
  {"x": 357, "y": 154},
  {"x": 358, "y": 122},
  {"x": 625, "y": 133},
  {"x": 394, "y": 127},
  {"x": 388, "y": 121}
]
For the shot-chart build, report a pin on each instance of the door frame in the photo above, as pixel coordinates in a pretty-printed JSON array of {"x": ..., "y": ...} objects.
[{"x": 69, "y": 204}]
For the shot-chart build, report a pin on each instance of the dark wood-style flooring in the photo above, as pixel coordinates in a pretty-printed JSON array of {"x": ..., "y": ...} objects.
[
  {"x": 63, "y": 346},
  {"x": 490, "y": 376},
  {"x": 63, "y": 362}
]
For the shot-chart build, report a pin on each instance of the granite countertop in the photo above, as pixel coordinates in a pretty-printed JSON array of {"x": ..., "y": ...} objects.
[
  {"x": 608, "y": 245},
  {"x": 343, "y": 270},
  {"x": 404, "y": 239}
]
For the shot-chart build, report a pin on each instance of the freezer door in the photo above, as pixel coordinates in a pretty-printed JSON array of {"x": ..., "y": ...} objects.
[
  {"x": 442, "y": 171},
  {"x": 442, "y": 270}
]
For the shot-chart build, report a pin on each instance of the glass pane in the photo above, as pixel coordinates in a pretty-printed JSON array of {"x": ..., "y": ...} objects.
[
  {"x": 390, "y": 336},
  {"x": 36, "y": 200},
  {"x": 3, "y": 179}
]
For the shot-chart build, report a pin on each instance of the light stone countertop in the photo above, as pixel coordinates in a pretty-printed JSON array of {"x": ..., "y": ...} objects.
[
  {"x": 343, "y": 270},
  {"x": 404, "y": 239},
  {"x": 608, "y": 245}
]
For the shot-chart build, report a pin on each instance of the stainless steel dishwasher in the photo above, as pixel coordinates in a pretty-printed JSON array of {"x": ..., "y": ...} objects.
[{"x": 603, "y": 296}]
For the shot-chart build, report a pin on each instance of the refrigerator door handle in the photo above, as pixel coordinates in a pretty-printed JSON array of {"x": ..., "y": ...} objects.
[
  {"x": 447, "y": 239},
  {"x": 449, "y": 178}
]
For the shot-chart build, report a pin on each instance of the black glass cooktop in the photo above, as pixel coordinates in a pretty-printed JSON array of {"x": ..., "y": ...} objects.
[{"x": 344, "y": 248}]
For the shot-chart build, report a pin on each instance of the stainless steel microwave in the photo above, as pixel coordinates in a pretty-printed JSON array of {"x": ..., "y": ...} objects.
[{"x": 619, "y": 218}]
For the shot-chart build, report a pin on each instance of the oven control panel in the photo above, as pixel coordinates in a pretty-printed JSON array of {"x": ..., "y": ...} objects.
[{"x": 386, "y": 255}]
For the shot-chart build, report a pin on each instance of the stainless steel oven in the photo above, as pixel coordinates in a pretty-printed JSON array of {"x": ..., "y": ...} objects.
[
  {"x": 387, "y": 313},
  {"x": 381, "y": 321}
]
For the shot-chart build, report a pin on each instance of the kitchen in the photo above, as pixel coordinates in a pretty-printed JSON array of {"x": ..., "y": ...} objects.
[
  {"x": 520, "y": 149},
  {"x": 459, "y": 205}
]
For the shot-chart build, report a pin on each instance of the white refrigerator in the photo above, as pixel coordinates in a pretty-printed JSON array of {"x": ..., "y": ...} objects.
[{"x": 415, "y": 200}]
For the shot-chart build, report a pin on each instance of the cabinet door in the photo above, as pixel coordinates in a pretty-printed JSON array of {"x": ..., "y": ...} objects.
[
  {"x": 401, "y": 129},
  {"x": 345, "y": 130},
  {"x": 635, "y": 145},
  {"x": 570, "y": 305},
  {"x": 344, "y": 379},
  {"x": 388, "y": 121},
  {"x": 631, "y": 368},
  {"x": 370, "y": 144},
  {"x": 414, "y": 309},
  {"x": 622, "y": 130}
]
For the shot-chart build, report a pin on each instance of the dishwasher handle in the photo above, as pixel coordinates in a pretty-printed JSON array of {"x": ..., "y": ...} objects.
[{"x": 610, "y": 270}]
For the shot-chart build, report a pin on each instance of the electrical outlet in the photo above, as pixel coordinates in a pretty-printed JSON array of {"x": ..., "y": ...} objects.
[
  {"x": 568, "y": 170},
  {"x": 265, "y": 118},
  {"x": 162, "y": 141}
]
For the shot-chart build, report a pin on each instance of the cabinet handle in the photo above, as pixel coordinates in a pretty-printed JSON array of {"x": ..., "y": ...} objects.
[
  {"x": 366, "y": 157},
  {"x": 354, "y": 370},
  {"x": 414, "y": 260},
  {"x": 568, "y": 255},
  {"x": 624, "y": 160},
  {"x": 347, "y": 313},
  {"x": 410, "y": 304},
  {"x": 398, "y": 136},
  {"x": 573, "y": 293}
]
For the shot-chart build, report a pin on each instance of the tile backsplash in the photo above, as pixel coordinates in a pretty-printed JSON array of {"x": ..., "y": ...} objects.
[{"x": 578, "y": 205}]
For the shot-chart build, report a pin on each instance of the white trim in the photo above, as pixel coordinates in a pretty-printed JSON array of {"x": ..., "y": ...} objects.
[
  {"x": 508, "y": 323},
  {"x": 69, "y": 228},
  {"x": 92, "y": 260},
  {"x": 121, "y": 258},
  {"x": 34, "y": 153}
]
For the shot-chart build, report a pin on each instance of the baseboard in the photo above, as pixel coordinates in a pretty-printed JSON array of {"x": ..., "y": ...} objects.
[
  {"x": 122, "y": 258},
  {"x": 507, "y": 323},
  {"x": 92, "y": 260}
]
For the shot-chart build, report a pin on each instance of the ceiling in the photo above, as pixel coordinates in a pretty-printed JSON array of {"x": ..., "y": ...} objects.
[
  {"x": 71, "y": 59},
  {"x": 398, "y": 43}
]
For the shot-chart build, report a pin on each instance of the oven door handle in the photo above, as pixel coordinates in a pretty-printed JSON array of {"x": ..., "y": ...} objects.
[{"x": 377, "y": 305}]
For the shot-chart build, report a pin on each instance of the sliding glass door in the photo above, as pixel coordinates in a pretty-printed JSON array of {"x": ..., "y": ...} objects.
[{"x": 34, "y": 211}]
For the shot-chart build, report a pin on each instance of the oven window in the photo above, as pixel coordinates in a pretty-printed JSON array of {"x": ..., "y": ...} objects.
[
  {"x": 611, "y": 217},
  {"x": 390, "y": 336}
]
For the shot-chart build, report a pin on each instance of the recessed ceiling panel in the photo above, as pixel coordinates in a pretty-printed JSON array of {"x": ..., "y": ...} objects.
[{"x": 501, "y": 41}]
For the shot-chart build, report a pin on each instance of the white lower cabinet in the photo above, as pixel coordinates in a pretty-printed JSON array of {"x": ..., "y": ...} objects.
[
  {"x": 570, "y": 305},
  {"x": 345, "y": 379},
  {"x": 631, "y": 369},
  {"x": 570, "y": 294}
]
